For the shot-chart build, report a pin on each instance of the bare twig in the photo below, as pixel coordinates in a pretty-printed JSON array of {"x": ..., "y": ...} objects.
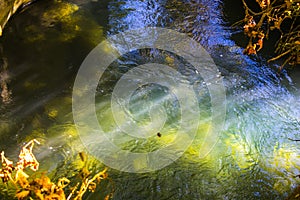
[
  {"x": 293, "y": 140},
  {"x": 281, "y": 55}
]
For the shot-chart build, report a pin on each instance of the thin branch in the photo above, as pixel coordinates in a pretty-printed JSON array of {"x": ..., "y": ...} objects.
[
  {"x": 285, "y": 62},
  {"x": 238, "y": 23},
  {"x": 293, "y": 140},
  {"x": 279, "y": 56},
  {"x": 251, "y": 11}
]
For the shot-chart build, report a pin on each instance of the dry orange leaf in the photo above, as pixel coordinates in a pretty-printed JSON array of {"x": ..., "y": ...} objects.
[
  {"x": 250, "y": 49},
  {"x": 26, "y": 157},
  {"x": 23, "y": 194},
  {"x": 21, "y": 178}
]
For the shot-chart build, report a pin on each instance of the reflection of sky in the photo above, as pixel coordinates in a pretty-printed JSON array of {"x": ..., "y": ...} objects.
[
  {"x": 258, "y": 105},
  {"x": 202, "y": 20},
  {"x": 136, "y": 14}
]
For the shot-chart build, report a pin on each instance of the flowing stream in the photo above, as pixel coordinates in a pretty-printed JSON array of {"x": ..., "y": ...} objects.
[{"x": 43, "y": 46}]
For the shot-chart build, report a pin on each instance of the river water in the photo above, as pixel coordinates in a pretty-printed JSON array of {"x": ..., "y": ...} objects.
[{"x": 43, "y": 47}]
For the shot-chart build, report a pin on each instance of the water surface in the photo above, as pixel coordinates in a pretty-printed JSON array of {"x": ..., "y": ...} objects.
[{"x": 44, "y": 46}]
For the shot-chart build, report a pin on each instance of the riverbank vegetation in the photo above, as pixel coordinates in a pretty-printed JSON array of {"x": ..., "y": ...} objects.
[
  {"x": 281, "y": 16},
  {"x": 40, "y": 186}
]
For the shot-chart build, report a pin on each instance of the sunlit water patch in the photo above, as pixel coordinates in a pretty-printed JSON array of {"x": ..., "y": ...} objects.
[{"x": 254, "y": 157}]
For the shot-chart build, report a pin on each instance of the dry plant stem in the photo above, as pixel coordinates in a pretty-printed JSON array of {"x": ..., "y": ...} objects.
[
  {"x": 281, "y": 55},
  {"x": 73, "y": 191},
  {"x": 248, "y": 9},
  {"x": 87, "y": 182},
  {"x": 273, "y": 14},
  {"x": 294, "y": 140},
  {"x": 285, "y": 62},
  {"x": 42, "y": 187},
  {"x": 6, "y": 163}
]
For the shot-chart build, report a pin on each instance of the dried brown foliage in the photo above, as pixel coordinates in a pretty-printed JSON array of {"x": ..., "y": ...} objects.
[
  {"x": 272, "y": 14},
  {"x": 42, "y": 187}
]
